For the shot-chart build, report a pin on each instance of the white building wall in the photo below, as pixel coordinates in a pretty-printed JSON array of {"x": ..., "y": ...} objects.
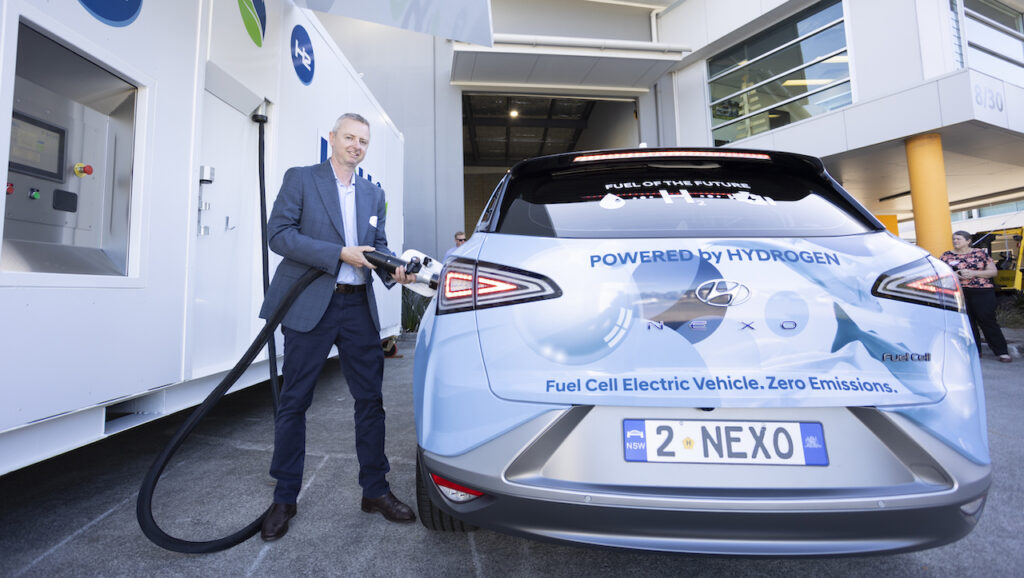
[
  {"x": 884, "y": 45},
  {"x": 666, "y": 112},
  {"x": 693, "y": 121},
  {"x": 939, "y": 44},
  {"x": 703, "y": 23},
  {"x": 448, "y": 195},
  {"x": 895, "y": 46},
  {"x": 571, "y": 18}
]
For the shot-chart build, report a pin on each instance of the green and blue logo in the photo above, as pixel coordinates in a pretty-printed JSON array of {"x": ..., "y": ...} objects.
[
  {"x": 254, "y": 15},
  {"x": 113, "y": 12}
]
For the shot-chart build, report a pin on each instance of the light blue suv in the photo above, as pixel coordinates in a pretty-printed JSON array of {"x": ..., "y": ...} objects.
[{"x": 701, "y": 350}]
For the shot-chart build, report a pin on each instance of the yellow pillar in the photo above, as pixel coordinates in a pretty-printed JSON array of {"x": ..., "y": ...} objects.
[{"x": 928, "y": 193}]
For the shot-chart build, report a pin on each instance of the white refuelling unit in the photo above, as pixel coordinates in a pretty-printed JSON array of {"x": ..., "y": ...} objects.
[{"x": 130, "y": 269}]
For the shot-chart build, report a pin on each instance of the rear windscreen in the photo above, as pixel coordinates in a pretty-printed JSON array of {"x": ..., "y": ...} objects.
[{"x": 676, "y": 199}]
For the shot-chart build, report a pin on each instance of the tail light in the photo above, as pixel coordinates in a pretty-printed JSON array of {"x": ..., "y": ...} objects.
[
  {"x": 921, "y": 282},
  {"x": 467, "y": 285}
]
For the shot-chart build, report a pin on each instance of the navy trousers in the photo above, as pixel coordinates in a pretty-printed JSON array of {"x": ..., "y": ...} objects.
[{"x": 347, "y": 324}]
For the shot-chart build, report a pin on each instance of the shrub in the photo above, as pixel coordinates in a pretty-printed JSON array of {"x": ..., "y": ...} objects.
[{"x": 1010, "y": 310}]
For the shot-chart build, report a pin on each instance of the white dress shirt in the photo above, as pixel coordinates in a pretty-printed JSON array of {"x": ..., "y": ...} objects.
[{"x": 348, "y": 275}]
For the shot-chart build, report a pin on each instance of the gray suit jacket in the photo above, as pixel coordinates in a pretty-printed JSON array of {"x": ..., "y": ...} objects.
[{"x": 306, "y": 228}]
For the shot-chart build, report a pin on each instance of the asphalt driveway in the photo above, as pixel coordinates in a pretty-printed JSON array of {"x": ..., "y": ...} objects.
[{"x": 74, "y": 515}]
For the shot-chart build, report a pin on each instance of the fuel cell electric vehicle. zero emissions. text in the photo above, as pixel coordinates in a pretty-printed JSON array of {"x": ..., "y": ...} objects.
[{"x": 709, "y": 351}]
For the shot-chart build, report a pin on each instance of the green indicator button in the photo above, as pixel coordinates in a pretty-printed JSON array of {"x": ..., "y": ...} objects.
[{"x": 33, "y": 194}]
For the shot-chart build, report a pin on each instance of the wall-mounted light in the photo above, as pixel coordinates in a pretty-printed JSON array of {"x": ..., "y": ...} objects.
[{"x": 513, "y": 113}]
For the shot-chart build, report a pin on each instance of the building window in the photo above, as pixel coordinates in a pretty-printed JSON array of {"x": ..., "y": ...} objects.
[
  {"x": 792, "y": 71},
  {"x": 996, "y": 12},
  {"x": 995, "y": 38}
]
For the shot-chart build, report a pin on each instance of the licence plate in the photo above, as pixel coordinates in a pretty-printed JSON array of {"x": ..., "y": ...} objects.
[{"x": 787, "y": 443}]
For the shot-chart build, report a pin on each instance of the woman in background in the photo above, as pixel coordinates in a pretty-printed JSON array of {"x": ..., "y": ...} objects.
[{"x": 975, "y": 269}]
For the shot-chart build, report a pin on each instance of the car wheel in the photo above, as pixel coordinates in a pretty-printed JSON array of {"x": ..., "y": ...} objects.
[{"x": 430, "y": 515}]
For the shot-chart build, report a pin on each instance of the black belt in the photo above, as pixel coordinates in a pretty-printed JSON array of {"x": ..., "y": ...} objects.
[{"x": 342, "y": 288}]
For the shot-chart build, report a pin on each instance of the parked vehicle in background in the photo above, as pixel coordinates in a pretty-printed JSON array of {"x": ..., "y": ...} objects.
[{"x": 1003, "y": 245}]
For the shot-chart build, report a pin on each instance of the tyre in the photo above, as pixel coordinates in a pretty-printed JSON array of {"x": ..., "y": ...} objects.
[{"x": 430, "y": 515}]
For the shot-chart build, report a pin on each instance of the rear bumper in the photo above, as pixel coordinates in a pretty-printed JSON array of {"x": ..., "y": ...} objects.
[{"x": 528, "y": 494}]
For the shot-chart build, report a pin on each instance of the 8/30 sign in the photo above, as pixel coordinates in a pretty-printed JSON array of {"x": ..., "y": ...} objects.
[{"x": 986, "y": 97}]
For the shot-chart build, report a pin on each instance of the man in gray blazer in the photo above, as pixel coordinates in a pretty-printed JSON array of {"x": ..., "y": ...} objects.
[{"x": 325, "y": 217}]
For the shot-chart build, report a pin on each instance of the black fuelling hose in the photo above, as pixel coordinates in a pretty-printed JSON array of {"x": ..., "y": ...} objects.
[
  {"x": 144, "y": 506},
  {"x": 275, "y": 384}
]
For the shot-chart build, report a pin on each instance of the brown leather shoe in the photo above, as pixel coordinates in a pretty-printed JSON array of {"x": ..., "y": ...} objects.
[
  {"x": 392, "y": 508},
  {"x": 275, "y": 523}
]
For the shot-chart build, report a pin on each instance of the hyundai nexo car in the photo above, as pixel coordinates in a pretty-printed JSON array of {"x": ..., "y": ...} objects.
[{"x": 702, "y": 350}]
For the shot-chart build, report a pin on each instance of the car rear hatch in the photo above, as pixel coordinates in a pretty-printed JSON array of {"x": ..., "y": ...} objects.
[{"x": 701, "y": 282}]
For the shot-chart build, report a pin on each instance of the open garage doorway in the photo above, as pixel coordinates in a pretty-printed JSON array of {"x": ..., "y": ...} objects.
[{"x": 499, "y": 130}]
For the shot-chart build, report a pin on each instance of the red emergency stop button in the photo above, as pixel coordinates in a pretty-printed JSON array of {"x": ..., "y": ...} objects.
[
  {"x": 82, "y": 169},
  {"x": 10, "y": 188}
]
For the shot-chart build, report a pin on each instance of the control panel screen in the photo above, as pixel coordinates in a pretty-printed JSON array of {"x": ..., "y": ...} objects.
[{"x": 37, "y": 148}]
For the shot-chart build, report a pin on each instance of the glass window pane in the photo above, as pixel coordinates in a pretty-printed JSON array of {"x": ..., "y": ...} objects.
[
  {"x": 814, "y": 21},
  {"x": 805, "y": 51},
  {"x": 1000, "y": 209},
  {"x": 996, "y": 11},
  {"x": 772, "y": 93},
  {"x": 819, "y": 103},
  {"x": 733, "y": 132},
  {"x": 726, "y": 199},
  {"x": 815, "y": 104},
  {"x": 771, "y": 39}
]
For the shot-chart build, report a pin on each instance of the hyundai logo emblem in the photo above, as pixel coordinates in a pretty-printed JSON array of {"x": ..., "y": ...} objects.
[{"x": 722, "y": 293}]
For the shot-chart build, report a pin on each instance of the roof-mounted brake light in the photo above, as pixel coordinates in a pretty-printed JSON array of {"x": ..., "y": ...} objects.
[{"x": 671, "y": 154}]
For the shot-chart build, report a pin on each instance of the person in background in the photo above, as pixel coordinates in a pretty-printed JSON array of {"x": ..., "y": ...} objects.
[
  {"x": 975, "y": 270},
  {"x": 460, "y": 238}
]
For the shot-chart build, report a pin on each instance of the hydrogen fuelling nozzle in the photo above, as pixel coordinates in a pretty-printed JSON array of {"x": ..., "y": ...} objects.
[{"x": 426, "y": 269}]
